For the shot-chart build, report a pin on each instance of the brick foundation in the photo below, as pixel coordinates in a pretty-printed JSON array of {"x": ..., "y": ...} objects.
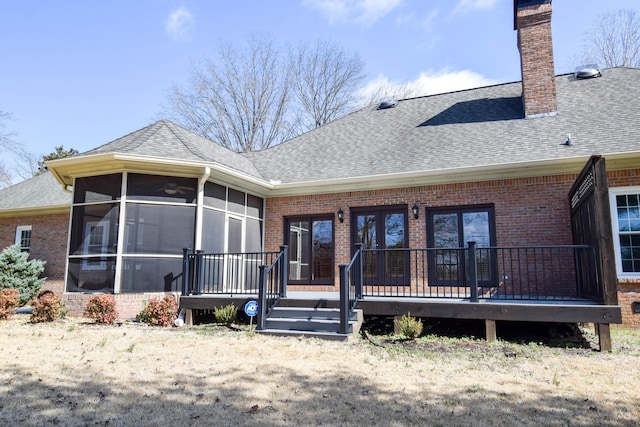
[{"x": 128, "y": 305}]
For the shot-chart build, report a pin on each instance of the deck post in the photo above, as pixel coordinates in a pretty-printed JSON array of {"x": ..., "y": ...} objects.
[
  {"x": 197, "y": 273},
  {"x": 490, "y": 330},
  {"x": 344, "y": 299},
  {"x": 185, "y": 271},
  {"x": 284, "y": 270},
  {"x": 473, "y": 271},
  {"x": 358, "y": 270},
  {"x": 604, "y": 336},
  {"x": 262, "y": 299}
]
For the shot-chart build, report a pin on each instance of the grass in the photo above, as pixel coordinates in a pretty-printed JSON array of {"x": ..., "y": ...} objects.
[{"x": 208, "y": 374}]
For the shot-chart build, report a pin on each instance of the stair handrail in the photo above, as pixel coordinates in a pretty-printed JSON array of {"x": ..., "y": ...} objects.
[
  {"x": 350, "y": 288},
  {"x": 275, "y": 275}
]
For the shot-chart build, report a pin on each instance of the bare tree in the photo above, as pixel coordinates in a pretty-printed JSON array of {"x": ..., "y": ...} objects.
[
  {"x": 615, "y": 40},
  {"x": 325, "y": 83},
  {"x": 239, "y": 100},
  {"x": 7, "y": 145},
  {"x": 253, "y": 98}
]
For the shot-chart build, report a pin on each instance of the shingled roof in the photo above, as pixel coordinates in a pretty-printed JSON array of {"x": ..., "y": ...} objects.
[
  {"x": 448, "y": 134},
  {"x": 168, "y": 140},
  {"x": 39, "y": 192},
  {"x": 477, "y": 128}
]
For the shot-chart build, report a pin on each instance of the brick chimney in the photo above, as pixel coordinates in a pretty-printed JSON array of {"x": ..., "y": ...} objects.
[{"x": 533, "y": 23}]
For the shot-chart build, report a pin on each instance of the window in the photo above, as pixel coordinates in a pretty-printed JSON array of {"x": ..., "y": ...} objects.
[
  {"x": 95, "y": 243},
  {"x": 310, "y": 241},
  {"x": 23, "y": 237},
  {"x": 625, "y": 216},
  {"x": 452, "y": 228}
]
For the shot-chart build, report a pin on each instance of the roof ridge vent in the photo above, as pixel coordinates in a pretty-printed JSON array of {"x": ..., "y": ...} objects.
[
  {"x": 589, "y": 71},
  {"x": 387, "y": 104}
]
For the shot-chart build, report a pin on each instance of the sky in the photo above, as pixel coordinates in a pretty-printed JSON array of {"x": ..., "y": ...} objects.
[{"x": 83, "y": 73}]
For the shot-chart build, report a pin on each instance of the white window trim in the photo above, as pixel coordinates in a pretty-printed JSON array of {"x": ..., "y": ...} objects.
[
  {"x": 103, "y": 245},
  {"x": 18, "y": 239},
  {"x": 613, "y": 192}
]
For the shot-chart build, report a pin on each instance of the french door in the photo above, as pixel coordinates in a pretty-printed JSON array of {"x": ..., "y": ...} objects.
[
  {"x": 383, "y": 233},
  {"x": 449, "y": 230}
]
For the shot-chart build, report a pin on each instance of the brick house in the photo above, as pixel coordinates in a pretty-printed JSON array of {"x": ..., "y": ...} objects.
[{"x": 405, "y": 185}]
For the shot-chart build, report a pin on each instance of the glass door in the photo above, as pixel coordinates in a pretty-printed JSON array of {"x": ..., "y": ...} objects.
[
  {"x": 234, "y": 266},
  {"x": 382, "y": 233}
]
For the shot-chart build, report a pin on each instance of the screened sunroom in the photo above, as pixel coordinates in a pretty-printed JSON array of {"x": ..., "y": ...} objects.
[{"x": 128, "y": 230}]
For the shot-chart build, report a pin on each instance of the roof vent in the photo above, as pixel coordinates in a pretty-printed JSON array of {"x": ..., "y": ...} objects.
[
  {"x": 387, "y": 104},
  {"x": 587, "y": 72}
]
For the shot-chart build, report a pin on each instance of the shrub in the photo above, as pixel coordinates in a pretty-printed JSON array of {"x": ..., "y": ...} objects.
[
  {"x": 16, "y": 272},
  {"x": 409, "y": 326},
  {"x": 161, "y": 312},
  {"x": 226, "y": 314},
  {"x": 47, "y": 308},
  {"x": 102, "y": 309},
  {"x": 8, "y": 302}
]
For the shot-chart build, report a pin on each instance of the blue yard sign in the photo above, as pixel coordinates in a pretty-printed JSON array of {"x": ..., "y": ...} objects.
[{"x": 251, "y": 308}]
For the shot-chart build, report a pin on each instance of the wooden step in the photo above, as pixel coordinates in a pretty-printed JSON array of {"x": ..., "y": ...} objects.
[{"x": 311, "y": 322}]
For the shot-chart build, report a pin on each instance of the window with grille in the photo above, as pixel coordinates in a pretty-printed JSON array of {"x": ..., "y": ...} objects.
[
  {"x": 23, "y": 237},
  {"x": 625, "y": 215}
]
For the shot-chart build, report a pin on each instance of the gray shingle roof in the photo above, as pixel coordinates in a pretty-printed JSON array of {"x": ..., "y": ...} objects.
[
  {"x": 168, "y": 140},
  {"x": 42, "y": 191},
  {"x": 472, "y": 128}
]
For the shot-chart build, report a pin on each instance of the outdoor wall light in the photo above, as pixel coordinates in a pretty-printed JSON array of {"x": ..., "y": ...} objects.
[
  {"x": 415, "y": 209},
  {"x": 340, "y": 215}
]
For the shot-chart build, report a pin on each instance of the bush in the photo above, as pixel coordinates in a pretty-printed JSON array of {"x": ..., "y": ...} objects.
[
  {"x": 409, "y": 326},
  {"x": 226, "y": 314},
  {"x": 102, "y": 309},
  {"x": 8, "y": 302},
  {"x": 16, "y": 272},
  {"x": 47, "y": 308},
  {"x": 160, "y": 312}
]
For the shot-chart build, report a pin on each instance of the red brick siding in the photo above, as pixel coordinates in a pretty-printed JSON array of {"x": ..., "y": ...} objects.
[
  {"x": 127, "y": 305},
  {"x": 48, "y": 243},
  {"x": 529, "y": 211}
]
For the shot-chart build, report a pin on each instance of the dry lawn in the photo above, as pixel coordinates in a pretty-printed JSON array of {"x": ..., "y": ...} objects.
[{"x": 75, "y": 373}]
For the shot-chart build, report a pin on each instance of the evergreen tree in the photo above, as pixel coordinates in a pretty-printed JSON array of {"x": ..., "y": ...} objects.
[{"x": 17, "y": 272}]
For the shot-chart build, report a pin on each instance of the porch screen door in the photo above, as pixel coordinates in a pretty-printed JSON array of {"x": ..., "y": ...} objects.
[
  {"x": 382, "y": 232},
  {"x": 234, "y": 268}
]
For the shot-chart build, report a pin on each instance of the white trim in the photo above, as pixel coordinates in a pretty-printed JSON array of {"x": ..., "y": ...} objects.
[
  {"x": 122, "y": 221},
  {"x": 18, "y": 239},
  {"x": 89, "y": 227},
  {"x": 613, "y": 192}
]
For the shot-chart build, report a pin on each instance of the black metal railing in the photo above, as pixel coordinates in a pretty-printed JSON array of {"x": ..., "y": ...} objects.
[
  {"x": 223, "y": 273},
  {"x": 273, "y": 285},
  {"x": 350, "y": 288},
  {"x": 474, "y": 273}
]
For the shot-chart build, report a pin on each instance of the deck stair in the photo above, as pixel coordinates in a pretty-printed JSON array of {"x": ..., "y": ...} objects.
[{"x": 315, "y": 322}]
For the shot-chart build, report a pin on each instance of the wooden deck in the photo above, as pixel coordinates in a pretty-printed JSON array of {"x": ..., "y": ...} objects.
[{"x": 498, "y": 309}]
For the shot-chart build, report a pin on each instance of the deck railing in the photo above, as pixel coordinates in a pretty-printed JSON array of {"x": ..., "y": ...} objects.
[
  {"x": 273, "y": 285},
  {"x": 350, "y": 288},
  {"x": 223, "y": 273},
  {"x": 520, "y": 273}
]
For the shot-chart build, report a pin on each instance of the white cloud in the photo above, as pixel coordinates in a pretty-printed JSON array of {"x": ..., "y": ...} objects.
[
  {"x": 427, "y": 83},
  {"x": 363, "y": 12},
  {"x": 470, "y": 5},
  {"x": 179, "y": 24}
]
